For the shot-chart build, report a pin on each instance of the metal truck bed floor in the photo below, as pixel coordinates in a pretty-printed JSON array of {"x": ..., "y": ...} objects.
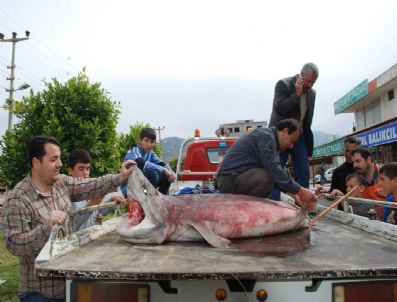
[{"x": 335, "y": 251}]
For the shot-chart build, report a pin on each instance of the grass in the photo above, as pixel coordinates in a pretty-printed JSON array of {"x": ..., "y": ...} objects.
[{"x": 9, "y": 270}]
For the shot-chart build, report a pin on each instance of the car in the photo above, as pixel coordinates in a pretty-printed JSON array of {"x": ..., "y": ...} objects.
[{"x": 328, "y": 176}]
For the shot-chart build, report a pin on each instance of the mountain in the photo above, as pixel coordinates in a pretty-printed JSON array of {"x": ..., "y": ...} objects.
[
  {"x": 171, "y": 146},
  {"x": 321, "y": 138}
]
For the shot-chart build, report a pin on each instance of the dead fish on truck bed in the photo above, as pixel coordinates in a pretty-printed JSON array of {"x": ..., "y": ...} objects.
[{"x": 215, "y": 218}]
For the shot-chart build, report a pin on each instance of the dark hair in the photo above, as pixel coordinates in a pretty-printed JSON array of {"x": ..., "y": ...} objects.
[
  {"x": 389, "y": 169},
  {"x": 310, "y": 67},
  {"x": 352, "y": 140},
  {"x": 36, "y": 146},
  {"x": 291, "y": 124},
  {"x": 361, "y": 179},
  {"x": 364, "y": 151},
  {"x": 148, "y": 132},
  {"x": 78, "y": 156}
]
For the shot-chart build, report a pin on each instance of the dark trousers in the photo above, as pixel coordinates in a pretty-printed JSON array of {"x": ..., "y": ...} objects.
[
  {"x": 300, "y": 163},
  {"x": 253, "y": 182},
  {"x": 158, "y": 180},
  {"x": 37, "y": 297}
]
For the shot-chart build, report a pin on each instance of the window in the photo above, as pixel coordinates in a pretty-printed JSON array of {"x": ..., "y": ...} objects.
[
  {"x": 391, "y": 94},
  {"x": 372, "y": 113},
  {"x": 236, "y": 129},
  {"x": 216, "y": 154}
]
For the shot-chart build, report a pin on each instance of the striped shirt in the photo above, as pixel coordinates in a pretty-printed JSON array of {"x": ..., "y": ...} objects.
[
  {"x": 24, "y": 222},
  {"x": 259, "y": 149}
]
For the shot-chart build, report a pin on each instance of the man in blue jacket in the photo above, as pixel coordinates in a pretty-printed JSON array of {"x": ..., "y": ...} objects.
[{"x": 156, "y": 171}]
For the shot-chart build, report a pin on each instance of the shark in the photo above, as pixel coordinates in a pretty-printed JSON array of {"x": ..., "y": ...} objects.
[{"x": 155, "y": 218}]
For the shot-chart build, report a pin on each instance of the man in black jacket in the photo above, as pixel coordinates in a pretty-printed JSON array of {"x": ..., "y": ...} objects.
[
  {"x": 338, "y": 182},
  {"x": 294, "y": 98}
]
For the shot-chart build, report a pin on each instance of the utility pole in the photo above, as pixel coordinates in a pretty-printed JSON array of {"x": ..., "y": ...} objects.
[
  {"x": 10, "y": 101},
  {"x": 159, "y": 129}
]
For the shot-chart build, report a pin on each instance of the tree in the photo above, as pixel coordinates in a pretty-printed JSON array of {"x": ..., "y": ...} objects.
[
  {"x": 127, "y": 141},
  {"x": 79, "y": 114}
]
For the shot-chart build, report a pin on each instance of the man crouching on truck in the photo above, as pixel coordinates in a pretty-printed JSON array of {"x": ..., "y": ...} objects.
[
  {"x": 251, "y": 166},
  {"x": 37, "y": 203}
]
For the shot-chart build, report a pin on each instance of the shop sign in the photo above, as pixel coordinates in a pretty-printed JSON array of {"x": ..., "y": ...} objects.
[
  {"x": 358, "y": 92},
  {"x": 379, "y": 136},
  {"x": 329, "y": 149}
]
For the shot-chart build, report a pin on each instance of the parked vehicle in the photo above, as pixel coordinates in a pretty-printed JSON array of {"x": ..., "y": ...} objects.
[
  {"x": 343, "y": 258},
  {"x": 328, "y": 176}
]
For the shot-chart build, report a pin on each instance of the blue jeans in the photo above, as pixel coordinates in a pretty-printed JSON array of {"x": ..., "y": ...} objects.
[
  {"x": 37, "y": 297},
  {"x": 300, "y": 163}
]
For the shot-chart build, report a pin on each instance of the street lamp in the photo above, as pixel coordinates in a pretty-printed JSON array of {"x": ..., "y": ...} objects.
[
  {"x": 14, "y": 40},
  {"x": 10, "y": 102}
]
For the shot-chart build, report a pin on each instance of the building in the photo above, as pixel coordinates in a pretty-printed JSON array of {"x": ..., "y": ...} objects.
[
  {"x": 239, "y": 128},
  {"x": 374, "y": 105}
]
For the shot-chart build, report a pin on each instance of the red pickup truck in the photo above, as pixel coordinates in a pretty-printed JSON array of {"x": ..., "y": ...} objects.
[{"x": 199, "y": 160}]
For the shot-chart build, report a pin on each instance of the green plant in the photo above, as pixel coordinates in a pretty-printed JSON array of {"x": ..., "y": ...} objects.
[
  {"x": 9, "y": 271},
  {"x": 78, "y": 113},
  {"x": 173, "y": 163}
]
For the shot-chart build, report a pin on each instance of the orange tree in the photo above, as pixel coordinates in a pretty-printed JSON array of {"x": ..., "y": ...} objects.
[{"x": 78, "y": 113}]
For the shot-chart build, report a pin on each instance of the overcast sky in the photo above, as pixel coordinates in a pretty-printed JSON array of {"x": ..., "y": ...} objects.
[{"x": 197, "y": 64}]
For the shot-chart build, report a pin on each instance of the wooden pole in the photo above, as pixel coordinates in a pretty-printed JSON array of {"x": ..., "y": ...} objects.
[{"x": 343, "y": 198}]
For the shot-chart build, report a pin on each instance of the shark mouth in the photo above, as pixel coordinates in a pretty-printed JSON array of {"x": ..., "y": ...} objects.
[{"x": 136, "y": 213}]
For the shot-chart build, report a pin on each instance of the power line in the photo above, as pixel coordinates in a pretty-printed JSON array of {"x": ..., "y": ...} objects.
[{"x": 45, "y": 46}]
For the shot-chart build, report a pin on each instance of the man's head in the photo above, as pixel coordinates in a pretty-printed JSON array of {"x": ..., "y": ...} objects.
[
  {"x": 147, "y": 139},
  {"x": 388, "y": 178},
  {"x": 350, "y": 143},
  {"x": 288, "y": 132},
  {"x": 44, "y": 155},
  {"x": 356, "y": 179},
  {"x": 79, "y": 163},
  {"x": 309, "y": 73},
  {"x": 362, "y": 159}
]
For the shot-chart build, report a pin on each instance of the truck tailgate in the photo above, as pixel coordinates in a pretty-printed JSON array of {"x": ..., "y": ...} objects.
[{"x": 336, "y": 251}]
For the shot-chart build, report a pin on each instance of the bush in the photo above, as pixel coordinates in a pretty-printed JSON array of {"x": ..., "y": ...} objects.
[{"x": 79, "y": 114}]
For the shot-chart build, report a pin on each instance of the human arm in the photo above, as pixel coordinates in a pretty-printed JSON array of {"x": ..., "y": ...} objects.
[
  {"x": 269, "y": 158},
  {"x": 286, "y": 101},
  {"x": 86, "y": 188}
]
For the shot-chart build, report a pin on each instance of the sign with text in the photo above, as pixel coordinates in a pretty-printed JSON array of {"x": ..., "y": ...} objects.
[
  {"x": 358, "y": 92},
  {"x": 333, "y": 148},
  {"x": 379, "y": 136}
]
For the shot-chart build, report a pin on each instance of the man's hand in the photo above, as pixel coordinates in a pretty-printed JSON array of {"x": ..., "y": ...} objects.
[
  {"x": 336, "y": 192},
  {"x": 120, "y": 200},
  {"x": 170, "y": 175},
  {"x": 306, "y": 199},
  {"x": 318, "y": 190},
  {"x": 299, "y": 84},
  {"x": 56, "y": 217},
  {"x": 126, "y": 168}
]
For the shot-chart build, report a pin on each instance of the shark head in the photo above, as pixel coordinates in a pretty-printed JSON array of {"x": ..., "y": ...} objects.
[{"x": 152, "y": 229}]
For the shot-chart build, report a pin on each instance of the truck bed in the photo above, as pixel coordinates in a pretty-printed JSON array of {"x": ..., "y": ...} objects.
[{"x": 329, "y": 250}]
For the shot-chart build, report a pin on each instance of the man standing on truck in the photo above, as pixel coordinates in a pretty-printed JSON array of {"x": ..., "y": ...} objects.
[
  {"x": 294, "y": 98},
  {"x": 252, "y": 165},
  {"x": 40, "y": 201}
]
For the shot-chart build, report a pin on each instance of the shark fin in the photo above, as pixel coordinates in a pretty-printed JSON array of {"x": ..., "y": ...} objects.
[{"x": 212, "y": 238}]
